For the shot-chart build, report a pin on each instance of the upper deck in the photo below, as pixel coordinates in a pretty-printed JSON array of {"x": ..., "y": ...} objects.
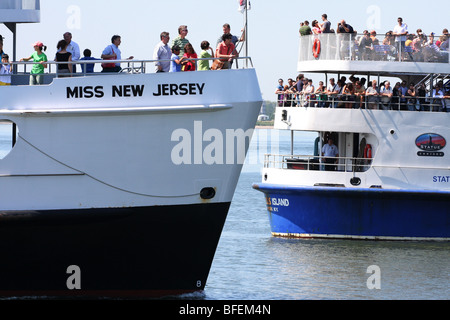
[
  {"x": 20, "y": 11},
  {"x": 342, "y": 53}
]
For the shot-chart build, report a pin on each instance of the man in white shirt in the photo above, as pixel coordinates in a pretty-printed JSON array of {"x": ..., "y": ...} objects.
[
  {"x": 332, "y": 91},
  {"x": 73, "y": 48},
  {"x": 163, "y": 52},
  {"x": 400, "y": 31},
  {"x": 438, "y": 102},
  {"x": 386, "y": 95},
  {"x": 331, "y": 152}
]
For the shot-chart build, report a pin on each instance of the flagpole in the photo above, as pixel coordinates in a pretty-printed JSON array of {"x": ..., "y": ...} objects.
[{"x": 246, "y": 32}]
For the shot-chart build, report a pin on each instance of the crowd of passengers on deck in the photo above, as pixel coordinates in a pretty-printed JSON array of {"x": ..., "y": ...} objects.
[
  {"x": 397, "y": 44},
  {"x": 180, "y": 56},
  {"x": 354, "y": 94}
]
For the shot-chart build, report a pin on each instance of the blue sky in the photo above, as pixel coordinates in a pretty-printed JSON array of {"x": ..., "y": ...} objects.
[{"x": 273, "y": 26}]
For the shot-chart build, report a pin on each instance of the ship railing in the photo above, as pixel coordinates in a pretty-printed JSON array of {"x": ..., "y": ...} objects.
[
  {"x": 21, "y": 70},
  {"x": 317, "y": 163},
  {"x": 344, "y": 101},
  {"x": 345, "y": 46}
]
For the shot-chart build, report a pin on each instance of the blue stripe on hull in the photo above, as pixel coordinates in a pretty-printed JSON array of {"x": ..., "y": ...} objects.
[{"x": 357, "y": 213}]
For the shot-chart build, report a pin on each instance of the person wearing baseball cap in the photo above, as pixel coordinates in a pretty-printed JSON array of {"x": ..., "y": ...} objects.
[{"x": 40, "y": 59}]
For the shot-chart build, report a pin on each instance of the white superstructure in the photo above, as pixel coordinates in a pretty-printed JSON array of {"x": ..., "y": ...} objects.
[
  {"x": 396, "y": 161},
  {"x": 122, "y": 140}
]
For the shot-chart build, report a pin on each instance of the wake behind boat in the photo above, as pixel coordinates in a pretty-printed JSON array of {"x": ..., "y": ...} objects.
[
  {"x": 119, "y": 184},
  {"x": 381, "y": 165}
]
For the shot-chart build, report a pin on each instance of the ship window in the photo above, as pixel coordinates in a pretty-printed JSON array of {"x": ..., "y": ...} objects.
[{"x": 8, "y": 137}]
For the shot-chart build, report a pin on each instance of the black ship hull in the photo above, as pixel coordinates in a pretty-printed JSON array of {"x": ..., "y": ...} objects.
[{"x": 127, "y": 252}]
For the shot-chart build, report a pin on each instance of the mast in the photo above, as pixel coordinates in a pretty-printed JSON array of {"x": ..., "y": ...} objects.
[{"x": 246, "y": 32}]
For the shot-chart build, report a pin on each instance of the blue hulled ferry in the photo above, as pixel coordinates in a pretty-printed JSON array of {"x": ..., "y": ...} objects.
[{"x": 381, "y": 165}]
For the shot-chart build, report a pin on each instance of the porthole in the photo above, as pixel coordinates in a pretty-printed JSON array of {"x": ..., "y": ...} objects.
[{"x": 8, "y": 137}]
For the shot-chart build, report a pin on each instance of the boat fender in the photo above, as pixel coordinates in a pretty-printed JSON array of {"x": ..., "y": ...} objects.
[
  {"x": 368, "y": 151},
  {"x": 316, "y": 48}
]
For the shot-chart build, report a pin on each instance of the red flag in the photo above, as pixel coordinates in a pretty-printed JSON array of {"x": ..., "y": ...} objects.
[{"x": 243, "y": 4}]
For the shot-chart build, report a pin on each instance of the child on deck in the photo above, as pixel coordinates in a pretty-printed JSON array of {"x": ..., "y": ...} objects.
[
  {"x": 189, "y": 53},
  {"x": 5, "y": 71},
  {"x": 89, "y": 66},
  {"x": 175, "y": 64},
  {"x": 204, "y": 64}
]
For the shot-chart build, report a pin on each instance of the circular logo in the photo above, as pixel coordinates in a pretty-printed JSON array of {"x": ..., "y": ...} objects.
[{"x": 431, "y": 142}]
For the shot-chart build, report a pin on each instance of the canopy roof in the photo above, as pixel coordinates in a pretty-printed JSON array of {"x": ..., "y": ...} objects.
[{"x": 20, "y": 11}]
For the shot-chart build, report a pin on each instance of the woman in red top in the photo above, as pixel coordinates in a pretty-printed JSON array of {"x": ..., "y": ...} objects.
[
  {"x": 226, "y": 50},
  {"x": 189, "y": 53}
]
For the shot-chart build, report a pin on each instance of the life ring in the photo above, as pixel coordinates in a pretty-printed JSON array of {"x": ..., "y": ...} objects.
[
  {"x": 368, "y": 152},
  {"x": 316, "y": 48}
]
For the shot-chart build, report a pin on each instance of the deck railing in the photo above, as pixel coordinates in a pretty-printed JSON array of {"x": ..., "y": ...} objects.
[
  {"x": 317, "y": 163},
  {"x": 344, "y": 46},
  {"x": 21, "y": 70},
  {"x": 344, "y": 101}
]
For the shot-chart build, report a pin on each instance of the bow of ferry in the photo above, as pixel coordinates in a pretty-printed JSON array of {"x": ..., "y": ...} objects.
[
  {"x": 119, "y": 184},
  {"x": 132, "y": 189}
]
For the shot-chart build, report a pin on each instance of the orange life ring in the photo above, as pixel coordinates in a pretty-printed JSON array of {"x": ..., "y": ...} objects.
[
  {"x": 316, "y": 48},
  {"x": 368, "y": 151}
]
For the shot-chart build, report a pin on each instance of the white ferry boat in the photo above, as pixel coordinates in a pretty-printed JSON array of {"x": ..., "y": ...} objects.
[
  {"x": 391, "y": 177},
  {"x": 119, "y": 184}
]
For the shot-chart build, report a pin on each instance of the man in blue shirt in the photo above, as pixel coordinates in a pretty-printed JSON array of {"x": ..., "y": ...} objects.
[
  {"x": 112, "y": 52},
  {"x": 331, "y": 153},
  {"x": 280, "y": 92}
]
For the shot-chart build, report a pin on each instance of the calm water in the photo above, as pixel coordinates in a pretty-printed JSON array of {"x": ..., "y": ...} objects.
[{"x": 250, "y": 264}]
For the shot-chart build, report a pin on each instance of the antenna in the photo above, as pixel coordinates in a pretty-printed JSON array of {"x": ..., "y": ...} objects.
[
  {"x": 245, "y": 12},
  {"x": 246, "y": 32}
]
